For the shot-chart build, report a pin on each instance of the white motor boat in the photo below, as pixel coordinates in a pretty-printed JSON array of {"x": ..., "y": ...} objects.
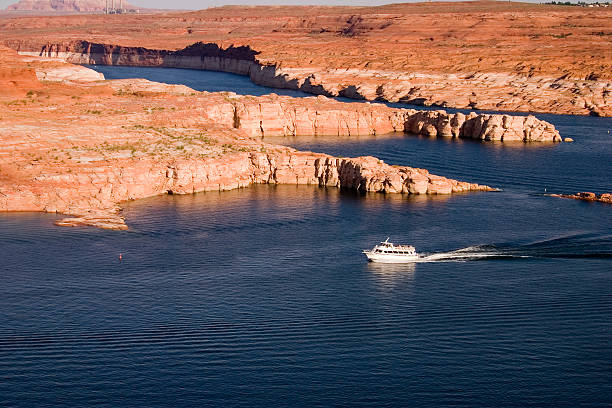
[{"x": 387, "y": 252}]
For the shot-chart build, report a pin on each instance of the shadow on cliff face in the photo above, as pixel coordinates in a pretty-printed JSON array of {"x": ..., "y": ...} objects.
[
  {"x": 243, "y": 52},
  {"x": 110, "y": 54}
]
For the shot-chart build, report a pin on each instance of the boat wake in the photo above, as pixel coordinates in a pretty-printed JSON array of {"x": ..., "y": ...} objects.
[
  {"x": 471, "y": 253},
  {"x": 595, "y": 246}
]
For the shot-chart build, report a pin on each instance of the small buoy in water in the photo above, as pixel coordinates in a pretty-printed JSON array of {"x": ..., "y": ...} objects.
[
  {"x": 120, "y": 256},
  {"x": 544, "y": 191}
]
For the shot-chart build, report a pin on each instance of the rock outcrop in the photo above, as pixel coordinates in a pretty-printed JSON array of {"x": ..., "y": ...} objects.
[
  {"x": 72, "y": 73},
  {"x": 284, "y": 116},
  {"x": 587, "y": 196},
  {"x": 484, "y": 91},
  {"x": 63, "y": 72},
  {"x": 15, "y": 77},
  {"x": 275, "y": 115},
  {"x": 503, "y": 128}
]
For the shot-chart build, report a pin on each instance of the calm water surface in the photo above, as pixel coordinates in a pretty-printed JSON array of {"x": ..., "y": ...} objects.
[{"x": 260, "y": 296}]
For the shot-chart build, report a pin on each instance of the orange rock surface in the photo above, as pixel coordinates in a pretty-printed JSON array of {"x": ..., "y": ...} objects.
[
  {"x": 483, "y": 55},
  {"x": 82, "y": 148},
  {"x": 14, "y": 75},
  {"x": 588, "y": 196}
]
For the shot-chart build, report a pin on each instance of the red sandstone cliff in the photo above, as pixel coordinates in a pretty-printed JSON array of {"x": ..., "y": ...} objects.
[{"x": 495, "y": 91}]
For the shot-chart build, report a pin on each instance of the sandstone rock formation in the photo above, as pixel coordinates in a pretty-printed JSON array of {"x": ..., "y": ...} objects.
[
  {"x": 321, "y": 116},
  {"x": 93, "y": 191},
  {"x": 275, "y": 115},
  {"x": 83, "y": 148},
  {"x": 503, "y": 128},
  {"x": 475, "y": 55},
  {"x": 63, "y": 72}
]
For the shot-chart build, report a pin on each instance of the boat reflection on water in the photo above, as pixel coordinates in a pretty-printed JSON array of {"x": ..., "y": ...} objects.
[{"x": 389, "y": 275}]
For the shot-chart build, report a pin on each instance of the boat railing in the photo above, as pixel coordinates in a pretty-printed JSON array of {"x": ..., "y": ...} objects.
[{"x": 391, "y": 246}]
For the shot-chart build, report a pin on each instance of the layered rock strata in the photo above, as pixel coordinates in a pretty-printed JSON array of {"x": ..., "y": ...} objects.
[
  {"x": 275, "y": 115},
  {"x": 277, "y": 118},
  {"x": 322, "y": 116},
  {"x": 491, "y": 91},
  {"x": 83, "y": 148}
]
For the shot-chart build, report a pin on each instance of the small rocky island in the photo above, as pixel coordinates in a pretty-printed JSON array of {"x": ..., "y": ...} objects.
[{"x": 588, "y": 196}]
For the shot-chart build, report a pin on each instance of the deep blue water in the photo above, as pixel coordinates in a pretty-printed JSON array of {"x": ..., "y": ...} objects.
[{"x": 260, "y": 296}]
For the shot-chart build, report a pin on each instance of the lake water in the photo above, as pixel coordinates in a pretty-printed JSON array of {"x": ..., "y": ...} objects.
[{"x": 261, "y": 297}]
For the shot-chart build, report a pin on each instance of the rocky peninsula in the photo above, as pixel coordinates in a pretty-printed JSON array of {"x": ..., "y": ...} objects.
[
  {"x": 82, "y": 146},
  {"x": 475, "y": 55}
]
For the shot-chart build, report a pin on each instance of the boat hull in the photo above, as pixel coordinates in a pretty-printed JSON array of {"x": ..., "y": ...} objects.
[{"x": 390, "y": 258}]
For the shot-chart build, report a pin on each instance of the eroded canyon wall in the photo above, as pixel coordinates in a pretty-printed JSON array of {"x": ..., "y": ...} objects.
[{"x": 480, "y": 90}]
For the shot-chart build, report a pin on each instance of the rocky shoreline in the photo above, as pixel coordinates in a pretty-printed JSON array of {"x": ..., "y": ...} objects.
[
  {"x": 284, "y": 116},
  {"x": 484, "y": 91},
  {"x": 145, "y": 179},
  {"x": 82, "y": 147}
]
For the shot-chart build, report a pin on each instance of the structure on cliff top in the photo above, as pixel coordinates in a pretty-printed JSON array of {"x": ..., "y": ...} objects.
[
  {"x": 74, "y": 6},
  {"x": 111, "y": 9}
]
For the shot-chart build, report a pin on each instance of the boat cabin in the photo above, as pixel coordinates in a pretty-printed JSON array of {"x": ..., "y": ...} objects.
[{"x": 387, "y": 247}]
